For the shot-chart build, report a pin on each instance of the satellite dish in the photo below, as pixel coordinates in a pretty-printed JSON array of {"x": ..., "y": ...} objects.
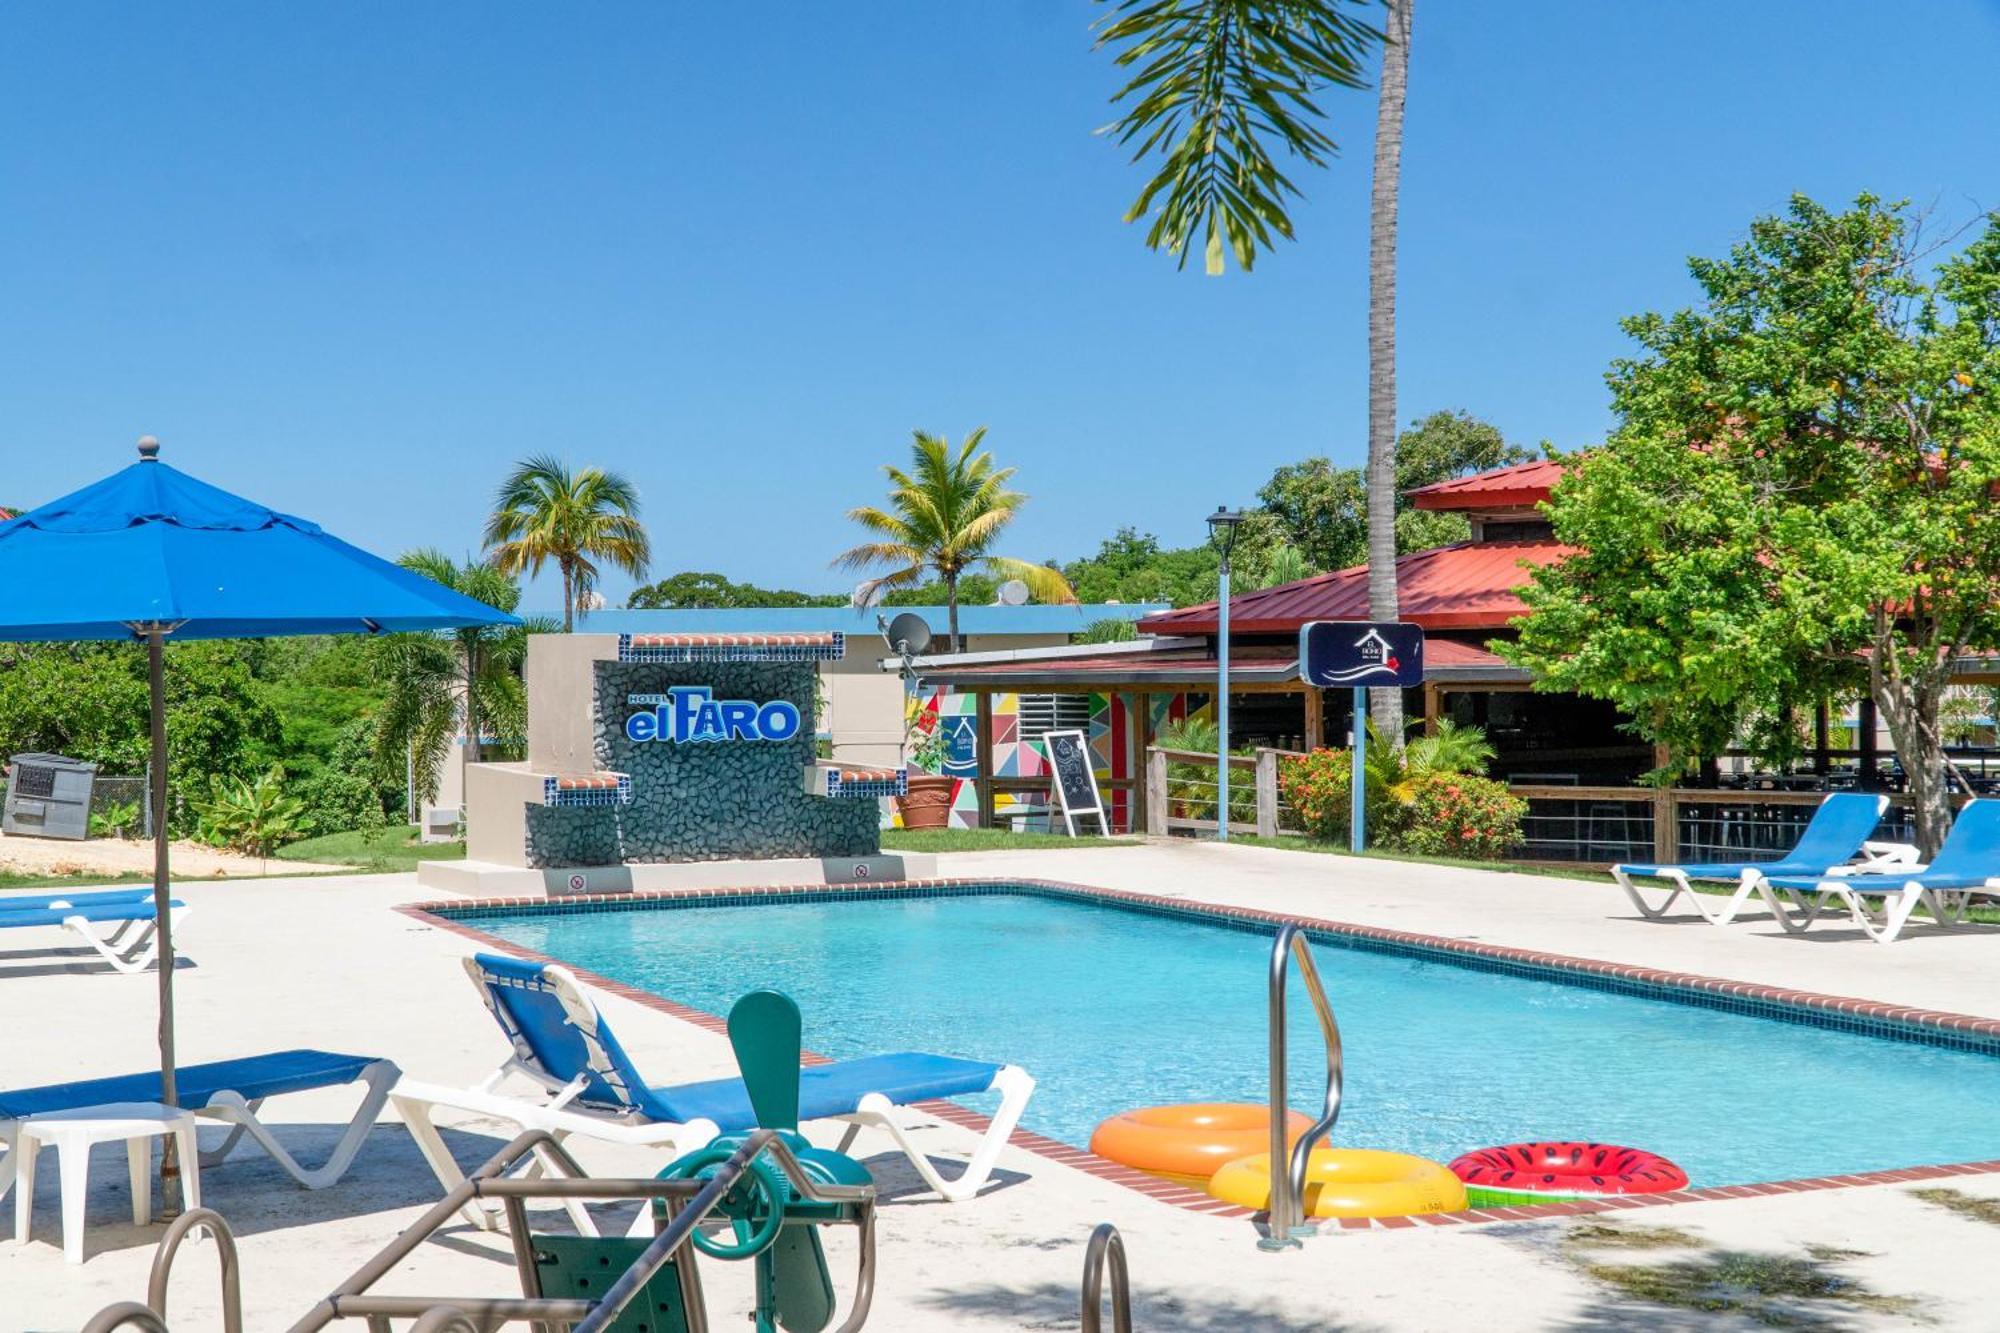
[
  {"x": 908, "y": 634},
  {"x": 1013, "y": 593}
]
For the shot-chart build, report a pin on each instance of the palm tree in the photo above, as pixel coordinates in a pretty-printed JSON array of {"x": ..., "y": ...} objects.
[
  {"x": 944, "y": 515},
  {"x": 544, "y": 512},
  {"x": 1385, "y": 707},
  {"x": 435, "y": 682},
  {"x": 1214, "y": 81}
]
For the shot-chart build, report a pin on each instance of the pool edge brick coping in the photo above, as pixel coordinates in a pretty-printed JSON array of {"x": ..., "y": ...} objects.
[{"x": 1925, "y": 1025}]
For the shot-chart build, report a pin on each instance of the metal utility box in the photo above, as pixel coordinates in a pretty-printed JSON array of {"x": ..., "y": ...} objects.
[{"x": 48, "y": 796}]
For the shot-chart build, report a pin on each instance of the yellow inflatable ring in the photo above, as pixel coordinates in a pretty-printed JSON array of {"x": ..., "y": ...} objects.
[
  {"x": 1349, "y": 1182},
  {"x": 1188, "y": 1143}
]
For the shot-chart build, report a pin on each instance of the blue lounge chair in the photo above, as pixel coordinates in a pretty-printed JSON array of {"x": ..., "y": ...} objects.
[
  {"x": 1836, "y": 835},
  {"x": 38, "y": 902},
  {"x": 229, "y": 1091},
  {"x": 1883, "y": 901},
  {"x": 590, "y": 1087},
  {"x": 129, "y": 947}
]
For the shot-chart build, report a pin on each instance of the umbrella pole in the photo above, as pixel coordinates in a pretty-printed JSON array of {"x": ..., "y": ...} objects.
[{"x": 156, "y": 678}]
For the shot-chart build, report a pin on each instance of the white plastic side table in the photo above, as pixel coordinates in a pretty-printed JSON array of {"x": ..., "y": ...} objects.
[{"x": 73, "y": 1133}]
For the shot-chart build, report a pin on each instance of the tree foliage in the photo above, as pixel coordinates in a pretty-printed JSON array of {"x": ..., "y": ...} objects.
[
  {"x": 1215, "y": 87},
  {"x": 944, "y": 515},
  {"x": 1323, "y": 510},
  {"x": 577, "y": 517},
  {"x": 1799, "y": 500},
  {"x": 705, "y": 590}
]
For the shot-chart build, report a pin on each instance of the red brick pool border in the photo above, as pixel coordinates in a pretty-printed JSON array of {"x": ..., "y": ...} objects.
[{"x": 430, "y": 913}]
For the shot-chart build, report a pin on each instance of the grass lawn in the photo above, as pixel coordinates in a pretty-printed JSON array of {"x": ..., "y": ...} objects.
[
  {"x": 376, "y": 850},
  {"x": 986, "y": 840},
  {"x": 13, "y": 881}
]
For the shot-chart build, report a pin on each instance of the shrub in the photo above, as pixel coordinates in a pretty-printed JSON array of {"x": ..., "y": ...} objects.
[
  {"x": 1191, "y": 785},
  {"x": 1459, "y": 814},
  {"x": 1319, "y": 787}
]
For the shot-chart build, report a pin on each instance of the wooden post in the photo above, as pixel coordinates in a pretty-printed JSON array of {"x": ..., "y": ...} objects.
[
  {"x": 1666, "y": 814},
  {"x": 1267, "y": 793},
  {"x": 1156, "y": 793},
  {"x": 1433, "y": 708},
  {"x": 1138, "y": 735},
  {"x": 1315, "y": 718},
  {"x": 982, "y": 748},
  {"x": 1871, "y": 776}
]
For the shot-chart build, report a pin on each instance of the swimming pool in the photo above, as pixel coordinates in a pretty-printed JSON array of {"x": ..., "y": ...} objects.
[{"x": 1111, "y": 1008}]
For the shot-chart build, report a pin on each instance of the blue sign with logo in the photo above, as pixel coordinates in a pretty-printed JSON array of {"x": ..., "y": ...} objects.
[
  {"x": 1361, "y": 653},
  {"x": 691, "y": 713}
]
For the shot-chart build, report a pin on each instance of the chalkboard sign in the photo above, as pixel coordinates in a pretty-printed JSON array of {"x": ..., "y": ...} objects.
[{"x": 1075, "y": 779}]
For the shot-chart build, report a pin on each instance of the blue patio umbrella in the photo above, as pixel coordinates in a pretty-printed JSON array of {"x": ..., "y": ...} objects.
[{"x": 150, "y": 553}]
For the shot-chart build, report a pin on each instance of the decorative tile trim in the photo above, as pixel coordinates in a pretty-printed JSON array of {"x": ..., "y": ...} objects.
[
  {"x": 677, "y": 648},
  {"x": 588, "y": 789},
  {"x": 866, "y": 783},
  {"x": 1898, "y": 1022}
]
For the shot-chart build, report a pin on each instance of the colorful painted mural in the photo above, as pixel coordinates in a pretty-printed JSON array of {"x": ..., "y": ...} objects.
[{"x": 1014, "y": 757}]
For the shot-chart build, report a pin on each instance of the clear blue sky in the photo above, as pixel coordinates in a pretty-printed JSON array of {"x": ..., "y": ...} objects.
[{"x": 354, "y": 259}]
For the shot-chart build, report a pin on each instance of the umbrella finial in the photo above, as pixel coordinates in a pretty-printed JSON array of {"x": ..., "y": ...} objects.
[{"x": 149, "y": 448}]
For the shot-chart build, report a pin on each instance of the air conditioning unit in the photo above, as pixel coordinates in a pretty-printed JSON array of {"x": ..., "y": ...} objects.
[{"x": 48, "y": 796}]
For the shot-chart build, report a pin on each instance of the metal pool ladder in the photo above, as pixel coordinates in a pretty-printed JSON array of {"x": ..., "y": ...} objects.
[{"x": 1285, "y": 1220}]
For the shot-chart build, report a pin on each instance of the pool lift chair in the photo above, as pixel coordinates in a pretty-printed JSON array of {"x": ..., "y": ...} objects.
[{"x": 771, "y": 1189}]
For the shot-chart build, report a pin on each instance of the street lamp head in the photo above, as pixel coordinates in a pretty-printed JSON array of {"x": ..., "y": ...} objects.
[{"x": 1222, "y": 525}]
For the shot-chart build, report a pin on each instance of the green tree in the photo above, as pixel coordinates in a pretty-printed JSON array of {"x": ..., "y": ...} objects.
[
  {"x": 1131, "y": 566},
  {"x": 707, "y": 590},
  {"x": 546, "y": 511},
  {"x": 1798, "y": 501},
  {"x": 944, "y": 515},
  {"x": 438, "y": 681},
  {"x": 1323, "y": 510}
]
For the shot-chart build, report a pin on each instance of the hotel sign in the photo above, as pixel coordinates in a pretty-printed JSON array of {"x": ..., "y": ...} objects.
[
  {"x": 1356, "y": 653},
  {"x": 692, "y": 714}
]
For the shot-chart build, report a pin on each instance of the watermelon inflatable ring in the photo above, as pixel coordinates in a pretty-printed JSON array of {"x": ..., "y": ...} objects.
[{"x": 1553, "y": 1172}]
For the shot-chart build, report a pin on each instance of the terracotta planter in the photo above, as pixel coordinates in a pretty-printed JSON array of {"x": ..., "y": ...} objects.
[{"x": 928, "y": 804}]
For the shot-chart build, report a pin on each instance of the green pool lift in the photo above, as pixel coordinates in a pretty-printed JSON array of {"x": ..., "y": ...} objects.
[{"x": 771, "y": 1191}]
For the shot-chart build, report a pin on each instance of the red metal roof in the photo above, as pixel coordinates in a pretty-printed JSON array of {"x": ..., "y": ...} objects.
[
  {"x": 1521, "y": 485},
  {"x": 1468, "y": 586}
]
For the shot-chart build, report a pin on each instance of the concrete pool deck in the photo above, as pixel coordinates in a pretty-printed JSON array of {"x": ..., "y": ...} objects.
[{"x": 329, "y": 963}]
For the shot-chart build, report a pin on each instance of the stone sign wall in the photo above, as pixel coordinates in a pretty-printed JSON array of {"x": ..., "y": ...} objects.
[{"x": 703, "y": 800}]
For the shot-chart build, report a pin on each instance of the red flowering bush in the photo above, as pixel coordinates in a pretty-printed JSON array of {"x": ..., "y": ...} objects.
[
  {"x": 1319, "y": 788},
  {"x": 1457, "y": 814}
]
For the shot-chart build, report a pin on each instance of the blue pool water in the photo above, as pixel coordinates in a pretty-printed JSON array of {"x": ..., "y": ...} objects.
[{"x": 1111, "y": 1009}]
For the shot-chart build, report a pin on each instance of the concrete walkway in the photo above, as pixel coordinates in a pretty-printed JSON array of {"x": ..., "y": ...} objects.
[{"x": 327, "y": 963}]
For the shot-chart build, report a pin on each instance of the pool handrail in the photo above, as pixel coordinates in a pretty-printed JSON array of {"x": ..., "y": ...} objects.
[
  {"x": 1106, "y": 1248},
  {"x": 1285, "y": 1219}
]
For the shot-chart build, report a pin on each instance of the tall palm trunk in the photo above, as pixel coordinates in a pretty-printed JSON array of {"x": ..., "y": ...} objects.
[
  {"x": 569, "y": 594},
  {"x": 951, "y": 608},
  {"x": 1385, "y": 706}
]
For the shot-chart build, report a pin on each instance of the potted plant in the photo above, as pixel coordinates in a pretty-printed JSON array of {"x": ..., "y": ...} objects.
[{"x": 927, "y": 802}]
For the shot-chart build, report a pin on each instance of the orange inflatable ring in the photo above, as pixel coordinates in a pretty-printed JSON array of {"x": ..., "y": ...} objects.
[{"x": 1189, "y": 1143}]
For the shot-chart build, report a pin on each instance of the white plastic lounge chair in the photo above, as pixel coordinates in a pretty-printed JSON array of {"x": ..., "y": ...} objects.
[
  {"x": 1882, "y": 903},
  {"x": 1837, "y": 834},
  {"x": 229, "y": 1091},
  {"x": 591, "y": 1088},
  {"x": 130, "y": 947}
]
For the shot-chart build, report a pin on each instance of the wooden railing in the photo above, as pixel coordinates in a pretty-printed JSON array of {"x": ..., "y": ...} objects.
[{"x": 1169, "y": 797}]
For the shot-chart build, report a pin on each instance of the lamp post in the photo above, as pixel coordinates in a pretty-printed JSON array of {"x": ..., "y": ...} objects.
[{"x": 1222, "y": 525}]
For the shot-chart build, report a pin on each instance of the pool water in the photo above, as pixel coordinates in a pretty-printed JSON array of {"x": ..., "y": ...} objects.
[{"x": 1110, "y": 1008}]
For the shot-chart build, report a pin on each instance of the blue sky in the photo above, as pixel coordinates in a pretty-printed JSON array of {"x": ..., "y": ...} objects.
[{"x": 353, "y": 260}]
